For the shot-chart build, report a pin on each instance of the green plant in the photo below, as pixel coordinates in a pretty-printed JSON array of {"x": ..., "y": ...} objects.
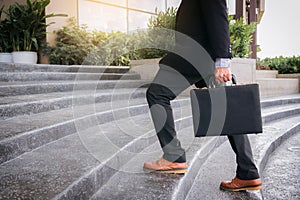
[
  {"x": 73, "y": 43},
  {"x": 5, "y": 45},
  {"x": 165, "y": 39},
  {"x": 162, "y": 19},
  {"x": 240, "y": 37},
  {"x": 284, "y": 65},
  {"x": 114, "y": 50},
  {"x": 27, "y": 24},
  {"x": 158, "y": 35},
  {"x": 260, "y": 65}
]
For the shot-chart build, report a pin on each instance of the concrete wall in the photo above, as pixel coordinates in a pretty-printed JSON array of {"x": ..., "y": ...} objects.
[
  {"x": 243, "y": 69},
  {"x": 290, "y": 76},
  {"x": 69, "y": 7},
  {"x": 7, "y": 3}
]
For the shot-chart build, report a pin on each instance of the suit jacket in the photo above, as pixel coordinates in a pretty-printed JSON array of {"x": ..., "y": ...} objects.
[{"x": 206, "y": 21}]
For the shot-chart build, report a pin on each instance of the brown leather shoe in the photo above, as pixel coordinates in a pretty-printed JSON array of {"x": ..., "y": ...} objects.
[
  {"x": 163, "y": 166},
  {"x": 239, "y": 185}
]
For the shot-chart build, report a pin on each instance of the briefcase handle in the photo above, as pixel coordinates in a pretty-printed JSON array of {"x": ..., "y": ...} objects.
[{"x": 212, "y": 82}]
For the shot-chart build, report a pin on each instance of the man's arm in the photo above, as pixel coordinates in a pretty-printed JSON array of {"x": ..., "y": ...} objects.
[{"x": 222, "y": 70}]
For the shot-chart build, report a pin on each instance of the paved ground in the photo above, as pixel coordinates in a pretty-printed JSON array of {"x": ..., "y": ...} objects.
[
  {"x": 280, "y": 178},
  {"x": 282, "y": 172},
  {"x": 219, "y": 166}
]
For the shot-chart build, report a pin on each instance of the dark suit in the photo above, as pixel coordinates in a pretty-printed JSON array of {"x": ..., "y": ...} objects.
[{"x": 206, "y": 22}]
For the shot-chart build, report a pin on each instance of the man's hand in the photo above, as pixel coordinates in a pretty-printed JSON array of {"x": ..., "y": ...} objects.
[{"x": 222, "y": 75}]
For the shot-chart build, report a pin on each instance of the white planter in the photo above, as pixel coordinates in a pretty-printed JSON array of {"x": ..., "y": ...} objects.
[
  {"x": 6, "y": 57},
  {"x": 25, "y": 57}
]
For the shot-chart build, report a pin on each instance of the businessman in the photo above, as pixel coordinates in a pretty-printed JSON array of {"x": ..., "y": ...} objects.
[{"x": 206, "y": 22}]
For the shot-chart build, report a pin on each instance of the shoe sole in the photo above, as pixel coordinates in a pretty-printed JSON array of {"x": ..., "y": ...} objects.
[
  {"x": 172, "y": 171},
  {"x": 257, "y": 187}
]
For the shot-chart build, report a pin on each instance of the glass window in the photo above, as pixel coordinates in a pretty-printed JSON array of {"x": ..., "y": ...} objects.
[
  {"x": 147, "y": 5},
  {"x": 116, "y": 2},
  {"x": 173, "y": 3},
  {"x": 231, "y": 7},
  {"x": 102, "y": 17},
  {"x": 138, "y": 20}
]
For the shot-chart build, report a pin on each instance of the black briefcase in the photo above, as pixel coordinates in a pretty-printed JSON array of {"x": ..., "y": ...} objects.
[{"x": 226, "y": 110}]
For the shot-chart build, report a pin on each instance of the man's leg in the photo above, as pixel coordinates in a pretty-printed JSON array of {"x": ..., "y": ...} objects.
[
  {"x": 246, "y": 169},
  {"x": 247, "y": 176},
  {"x": 167, "y": 84}
]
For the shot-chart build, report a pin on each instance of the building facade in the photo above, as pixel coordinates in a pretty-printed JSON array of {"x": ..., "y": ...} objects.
[
  {"x": 120, "y": 15},
  {"x": 125, "y": 15}
]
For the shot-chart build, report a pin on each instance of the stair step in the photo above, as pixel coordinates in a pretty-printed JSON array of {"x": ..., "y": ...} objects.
[
  {"x": 266, "y": 74},
  {"x": 278, "y": 112},
  {"x": 52, "y": 76},
  {"x": 25, "y": 123},
  {"x": 29, "y": 104},
  {"x": 281, "y": 100},
  {"x": 14, "y": 67},
  {"x": 277, "y": 87},
  {"x": 68, "y": 168},
  {"x": 38, "y": 87},
  {"x": 222, "y": 163},
  {"x": 147, "y": 186},
  {"x": 94, "y": 140},
  {"x": 31, "y": 131},
  {"x": 64, "y": 162},
  {"x": 283, "y": 161},
  {"x": 25, "y": 133}
]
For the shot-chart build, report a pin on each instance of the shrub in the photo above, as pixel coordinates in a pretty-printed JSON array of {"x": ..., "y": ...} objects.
[
  {"x": 163, "y": 39},
  {"x": 284, "y": 65},
  {"x": 76, "y": 45},
  {"x": 240, "y": 34},
  {"x": 73, "y": 43},
  {"x": 114, "y": 50},
  {"x": 241, "y": 37}
]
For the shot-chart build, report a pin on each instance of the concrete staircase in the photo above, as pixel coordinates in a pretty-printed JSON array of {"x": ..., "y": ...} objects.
[
  {"x": 83, "y": 132},
  {"x": 271, "y": 85}
]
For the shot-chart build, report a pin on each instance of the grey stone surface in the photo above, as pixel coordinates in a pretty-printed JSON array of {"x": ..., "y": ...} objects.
[
  {"x": 52, "y": 76},
  {"x": 280, "y": 112},
  {"x": 14, "y": 67},
  {"x": 222, "y": 163},
  {"x": 40, "y": 174},
  {"x": 212, "y": 167},
  {"x": 50, "y": 169},
  {"x": 130, "y": 182},
  {"x": 38, "y": 87},
  {"x": 219, "y": 166},
  {"x": 281, "y": 100},
  {"x": 282, "y": 172},
  {"x": 62, "y": 165},
  {"x": 29, "y": 104},
  {"x": 25, "y": 133}
]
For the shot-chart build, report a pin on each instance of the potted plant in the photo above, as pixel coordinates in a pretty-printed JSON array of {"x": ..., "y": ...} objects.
[
  {"x": 27, "y": 26},
  {"x": 5, "y": 47}
]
